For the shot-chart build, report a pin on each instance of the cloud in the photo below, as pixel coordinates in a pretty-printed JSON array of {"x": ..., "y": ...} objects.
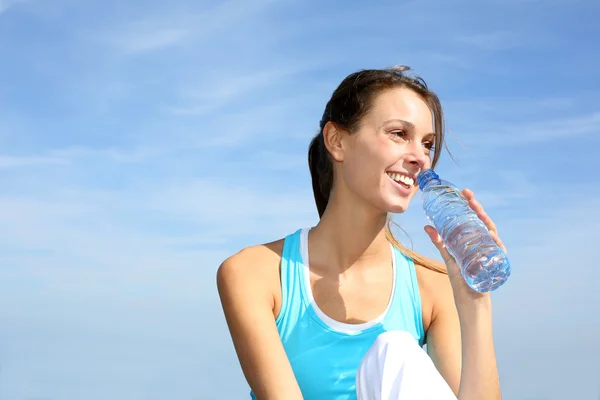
[
  {"x": 144, "y": 39},
  {"x": 519, "y": 121},
  {"x": 11, "y": 162},
  {"x": 509, "y": 106},
  {"x": 128, "y": 259},
  {"x": 493, "y": 41},
  {"x": 510, "y": 187},
  {"x": 177, "y": 220},
  {"x": 281, "y": 160},
  {"x": 234, "y": 207},
  {"x": 5, "y": 5},
  {"x": 145, "y": 35},
  {"x": 214, "y": 91},
  {"x": 112, "y": 154},
  {"x": 545, "y": 131},
  {"x": 161, "y": 29}
]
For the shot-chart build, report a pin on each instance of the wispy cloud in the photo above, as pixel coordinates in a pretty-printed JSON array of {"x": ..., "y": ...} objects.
[
  {"x": 10, "y": 162},
  {"x": 156, "y": 31},
  {"x": 213, "y": 91},
  {"x": 6, "y": 4},
  {"x": 148, "y": 39},
  {"x": 518, "y": 121},
  {"x": 115, "y": 154},
  {"x": 505, "y": 107},
  {"x": 544, "y": 131},
  {"x": 511, "y": 189},
  {"x": 494, "y": 41}
]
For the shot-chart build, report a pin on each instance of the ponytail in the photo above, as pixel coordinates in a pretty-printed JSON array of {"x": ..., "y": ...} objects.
[{"x": 321, "y": 172}]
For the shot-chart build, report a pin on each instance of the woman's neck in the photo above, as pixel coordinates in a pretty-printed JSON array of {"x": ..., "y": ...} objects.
[{"x": 349, "y": 234}]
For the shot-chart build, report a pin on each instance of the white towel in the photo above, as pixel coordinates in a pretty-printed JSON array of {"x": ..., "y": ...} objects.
[{"x": 397, "y": 368}]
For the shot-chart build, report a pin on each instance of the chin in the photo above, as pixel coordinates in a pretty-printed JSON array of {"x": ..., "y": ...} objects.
[
  {"x": 391, "y": 202},
  {"x": 398, "y": 204},
  {"x": 397, "y": 208}
]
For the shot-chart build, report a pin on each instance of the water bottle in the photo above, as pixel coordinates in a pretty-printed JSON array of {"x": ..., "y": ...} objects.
[{"x": 482, "y": 262}]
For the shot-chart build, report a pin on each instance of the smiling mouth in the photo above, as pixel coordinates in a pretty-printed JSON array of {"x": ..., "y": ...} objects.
[{"x": 400, "y": 179}]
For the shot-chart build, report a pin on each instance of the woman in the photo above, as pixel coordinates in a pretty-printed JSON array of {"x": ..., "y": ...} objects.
[{"x": 308, "y": 311}]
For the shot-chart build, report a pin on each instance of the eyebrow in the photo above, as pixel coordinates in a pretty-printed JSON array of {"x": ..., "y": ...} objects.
[{"x": 408, "y": 124}]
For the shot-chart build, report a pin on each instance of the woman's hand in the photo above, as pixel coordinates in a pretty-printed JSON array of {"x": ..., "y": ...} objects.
[
  {"x": 478, "y": 367},
  {"x": 459, "y": 285}
]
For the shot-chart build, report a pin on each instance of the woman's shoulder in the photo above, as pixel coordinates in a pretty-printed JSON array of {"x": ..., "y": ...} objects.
[
  {"x": 257, "y": 260},
  {"x": 253, "y": 270},
  {"x": 431, "y": 273}
]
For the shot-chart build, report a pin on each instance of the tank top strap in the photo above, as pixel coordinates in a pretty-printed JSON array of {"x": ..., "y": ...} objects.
[
  {"x": 291, "y": 275},
  {"x": 407, "y": 304}
]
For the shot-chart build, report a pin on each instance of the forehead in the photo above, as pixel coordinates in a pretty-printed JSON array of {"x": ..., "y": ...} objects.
[{"x": 403, "y": 104}]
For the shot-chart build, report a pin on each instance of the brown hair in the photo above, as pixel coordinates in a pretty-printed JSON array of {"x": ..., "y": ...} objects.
[{"x": 349, "y": 103}]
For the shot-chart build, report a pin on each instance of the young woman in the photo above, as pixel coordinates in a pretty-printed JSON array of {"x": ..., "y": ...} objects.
[{"x": 343, "y": 304}]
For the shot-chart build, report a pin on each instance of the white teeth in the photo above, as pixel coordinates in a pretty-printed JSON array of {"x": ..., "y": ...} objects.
[
  {"x": 401, "y": 178},
  {"x": 408, "y": 181}
]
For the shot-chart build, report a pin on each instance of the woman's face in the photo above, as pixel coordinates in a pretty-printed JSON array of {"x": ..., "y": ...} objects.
[{"x": 392, "y": 144}]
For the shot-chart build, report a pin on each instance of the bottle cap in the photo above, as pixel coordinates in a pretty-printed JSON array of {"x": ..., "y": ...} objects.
[{"x": 425, "y": 176}]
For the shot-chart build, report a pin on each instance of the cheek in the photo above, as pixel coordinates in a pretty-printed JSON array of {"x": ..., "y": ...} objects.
[
  {"x": 362, "y": 173},
  {"x": 363, "y": 168}
]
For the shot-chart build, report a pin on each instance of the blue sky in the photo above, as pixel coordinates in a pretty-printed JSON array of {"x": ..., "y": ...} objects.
[{"x": 141, "y": 143}]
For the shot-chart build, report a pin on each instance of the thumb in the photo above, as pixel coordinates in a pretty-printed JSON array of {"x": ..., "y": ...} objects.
[{"x": 436, "y": 239}]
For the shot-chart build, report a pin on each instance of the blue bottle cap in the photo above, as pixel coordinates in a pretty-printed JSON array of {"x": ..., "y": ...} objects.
[{"x": 425, "y": 176}]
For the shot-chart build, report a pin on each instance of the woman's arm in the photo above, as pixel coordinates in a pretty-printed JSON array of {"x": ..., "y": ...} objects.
[
  {"x": 460, "y": 339},
  {"x": 444, "y": 332},
  {"x": 248, "y": 302},
  {"x": 480, "y": 378},
  {"x": 461, "y": 345}
]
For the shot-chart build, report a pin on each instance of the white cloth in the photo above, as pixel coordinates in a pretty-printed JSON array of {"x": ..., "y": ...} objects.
[{"x": 397, "y": 368}]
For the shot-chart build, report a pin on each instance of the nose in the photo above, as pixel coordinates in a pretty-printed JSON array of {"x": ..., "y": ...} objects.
[{"x": 416, "y": 155}]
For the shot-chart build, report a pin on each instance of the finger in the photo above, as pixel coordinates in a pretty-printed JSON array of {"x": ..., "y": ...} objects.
[
  {"x": 483, "y": 216},
  {"x": 479, "y": 210},
  {"x": 436, "y": 239},
  {"x": 498, "y": 241},
  {"x": 468, "y": 194}
]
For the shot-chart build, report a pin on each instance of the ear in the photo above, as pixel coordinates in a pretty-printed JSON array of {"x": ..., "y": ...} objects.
[{"x": 333, "y": 137}]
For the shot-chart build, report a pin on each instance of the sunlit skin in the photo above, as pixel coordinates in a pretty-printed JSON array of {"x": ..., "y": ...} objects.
[
  {"x": 350, "y": 259},
  {"x": 395, "y": 136}
]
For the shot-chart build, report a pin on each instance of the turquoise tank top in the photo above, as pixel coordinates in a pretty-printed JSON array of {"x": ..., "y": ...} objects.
[{"x": 324, "y": 353}]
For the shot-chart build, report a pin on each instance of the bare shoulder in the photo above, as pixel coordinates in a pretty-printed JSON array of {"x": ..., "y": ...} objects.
[
  {"x": 430, "y": 280},
  {"x": 435, "y": 289},
  {"x": 253, "y": 270},
  {"x": 250, "y": 292},
  {"x": 252, "y": 260}
]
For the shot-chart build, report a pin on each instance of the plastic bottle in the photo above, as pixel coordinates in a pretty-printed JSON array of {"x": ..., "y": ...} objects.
[{"x": 483, "y": 263}]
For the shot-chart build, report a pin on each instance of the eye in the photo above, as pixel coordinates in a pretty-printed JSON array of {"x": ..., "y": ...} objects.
[
  {"x": 399, "y": 133},
  {"x": 430, "y": 145}
]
